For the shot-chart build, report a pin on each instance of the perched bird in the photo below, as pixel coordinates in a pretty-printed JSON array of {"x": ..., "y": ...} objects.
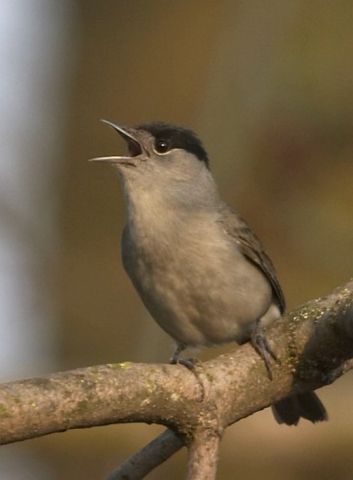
[{"x": 197, "y": 266}]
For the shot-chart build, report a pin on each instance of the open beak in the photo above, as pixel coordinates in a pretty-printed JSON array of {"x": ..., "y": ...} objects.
[{"x": 135, "y": 147}]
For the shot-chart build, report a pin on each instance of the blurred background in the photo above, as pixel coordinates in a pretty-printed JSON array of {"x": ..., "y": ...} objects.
[{"x": 268, "y": 86}]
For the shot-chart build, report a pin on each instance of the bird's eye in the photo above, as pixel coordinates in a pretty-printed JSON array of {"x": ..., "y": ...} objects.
[{"x": 162, "y": 146}]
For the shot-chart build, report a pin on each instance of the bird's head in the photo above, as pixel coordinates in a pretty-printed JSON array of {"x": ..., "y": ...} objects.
[{"x": 164, "y": 159}]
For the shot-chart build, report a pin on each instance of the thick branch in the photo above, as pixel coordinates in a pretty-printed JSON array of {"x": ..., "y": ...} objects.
[
  {"x": 314, "y": 344},
  {"x": 113, "y": 393}
]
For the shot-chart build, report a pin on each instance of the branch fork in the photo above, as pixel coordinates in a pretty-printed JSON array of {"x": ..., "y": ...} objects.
[{"x": 314, "y": 344}]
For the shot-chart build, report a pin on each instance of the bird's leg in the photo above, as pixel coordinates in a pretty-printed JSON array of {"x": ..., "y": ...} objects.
[
  {"x": 175, "y": 357},
  {"x": 259, "y": 342},
  {"x": 187, "y": 362}
]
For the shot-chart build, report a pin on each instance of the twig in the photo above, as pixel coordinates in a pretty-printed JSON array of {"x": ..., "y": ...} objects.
[{"x": 141, "y": 463}]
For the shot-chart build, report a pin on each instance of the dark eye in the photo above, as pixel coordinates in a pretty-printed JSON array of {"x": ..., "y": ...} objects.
[{"x": 162, "y": 146}]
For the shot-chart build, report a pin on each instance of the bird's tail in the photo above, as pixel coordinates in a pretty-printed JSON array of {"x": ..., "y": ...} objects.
[{"x": 306, "y": 405}]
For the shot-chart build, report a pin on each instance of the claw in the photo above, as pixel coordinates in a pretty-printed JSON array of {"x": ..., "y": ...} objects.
[
  {"x": 262, "y": 347},
  {"x": 175, "y": 357}
]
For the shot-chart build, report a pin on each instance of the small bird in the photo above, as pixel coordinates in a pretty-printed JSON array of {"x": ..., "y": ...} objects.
[{"x": 199, "y": 269}]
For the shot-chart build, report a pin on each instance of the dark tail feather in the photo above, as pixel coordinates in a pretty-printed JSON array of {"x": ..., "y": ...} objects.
[{"x": 306, "y": 405}]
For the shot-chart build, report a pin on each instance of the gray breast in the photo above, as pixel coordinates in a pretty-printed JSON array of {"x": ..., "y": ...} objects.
[{"x": 195, "y": 282}]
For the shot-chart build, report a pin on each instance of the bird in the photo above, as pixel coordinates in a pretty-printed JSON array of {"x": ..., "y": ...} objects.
[{"x": 199, "y": 269}]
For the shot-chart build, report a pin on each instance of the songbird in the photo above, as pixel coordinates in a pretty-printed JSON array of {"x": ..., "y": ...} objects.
[{"x": 198, "y": 267}]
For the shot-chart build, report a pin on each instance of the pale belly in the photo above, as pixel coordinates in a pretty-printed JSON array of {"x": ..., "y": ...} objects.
[{"x": 206, "y": 296}]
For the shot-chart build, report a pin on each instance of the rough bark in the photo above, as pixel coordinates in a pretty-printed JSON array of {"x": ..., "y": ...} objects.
[
  {"x": 314, "y": 344},
  {"x": 203, "y": 455}
]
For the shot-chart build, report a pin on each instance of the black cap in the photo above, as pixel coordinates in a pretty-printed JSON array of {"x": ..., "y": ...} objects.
[{"x": 176, "y": 137}]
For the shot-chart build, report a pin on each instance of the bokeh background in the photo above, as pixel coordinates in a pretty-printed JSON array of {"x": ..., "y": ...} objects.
[{"x": 269, "y": 88}]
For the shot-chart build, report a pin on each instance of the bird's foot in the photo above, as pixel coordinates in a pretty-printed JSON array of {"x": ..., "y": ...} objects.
[
  {"x": 262, "y": 347},
  {"x": 174, "y": 359},
  {"x": 190, "y": 364}
]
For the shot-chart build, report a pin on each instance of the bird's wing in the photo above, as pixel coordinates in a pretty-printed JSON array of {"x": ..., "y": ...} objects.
[{"x": 250, "y": 246}]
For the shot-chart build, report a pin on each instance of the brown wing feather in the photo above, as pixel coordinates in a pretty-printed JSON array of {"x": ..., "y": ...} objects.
[{"x": 251, "y": 247}]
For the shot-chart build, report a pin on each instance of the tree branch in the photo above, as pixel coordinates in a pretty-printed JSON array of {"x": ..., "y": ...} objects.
[
  {"x": 203, "y": 455},
  {"x": 141, "y": 463},
  {"x": 314, "y": 344},
  {"x": 101, "y": 395}
]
